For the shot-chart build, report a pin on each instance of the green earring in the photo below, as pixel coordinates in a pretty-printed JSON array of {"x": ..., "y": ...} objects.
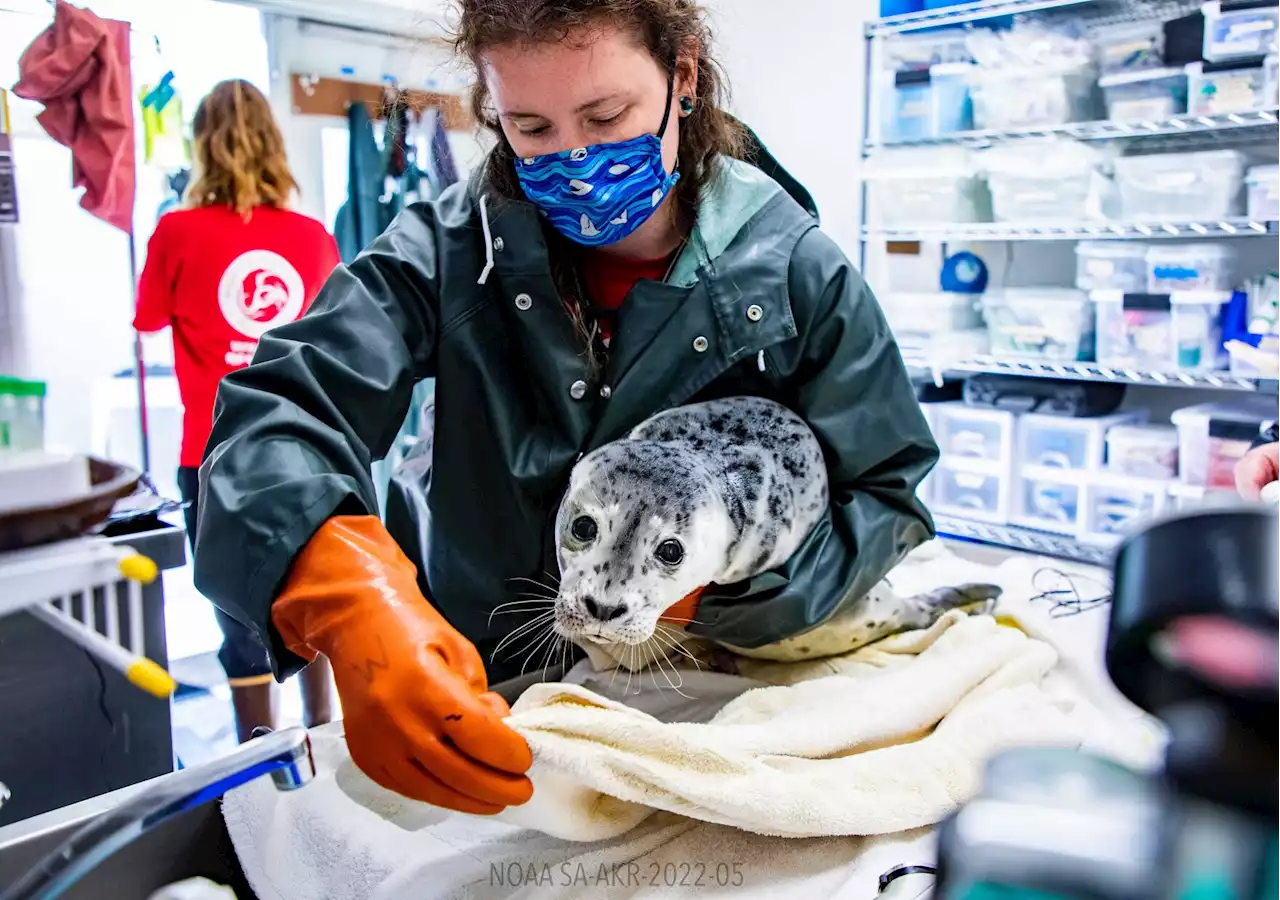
[{"x": 686, "y": 105}]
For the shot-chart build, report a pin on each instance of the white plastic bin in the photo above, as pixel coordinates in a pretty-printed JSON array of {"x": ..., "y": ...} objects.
[
  {"x": 1041, "y": 323},
  {"x": 970, "y": 489},
  {"x": 924, "y": 186},
  {"x": 1213, "y": 437},
  {"x": 1233, "y": 33},
  {"x": 1023, "y": 97},
  {"x": 1143, "y": 451},
  {"x": 1049, "y": 500},
  {"x": 1181, "y": 186},
  {"x": 1047, "y": 182},
  {"x": 1190, "y": 267},
  {"x": 1058, "y": 442},
  {"x": 963, "y": 432},
  {"x": 1145, "y": 95},
  {"x": 938, "y": 312},
  {"x": 1111, "y": 266},
  {"x": 1216, "y": 92},
  {"x": 1264, "y": 193},
  {"x": 1116, "y": 506},
  {"x": 1160, "y": 332}
]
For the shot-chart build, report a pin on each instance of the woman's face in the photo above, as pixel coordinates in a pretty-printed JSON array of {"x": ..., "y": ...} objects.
[{"x": 597, "y": 86}]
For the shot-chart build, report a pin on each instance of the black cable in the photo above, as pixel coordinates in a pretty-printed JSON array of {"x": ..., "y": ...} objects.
[{"x": 1065, "y": 594}]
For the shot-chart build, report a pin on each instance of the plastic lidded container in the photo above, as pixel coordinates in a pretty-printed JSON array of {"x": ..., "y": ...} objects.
[
  {"x": 1160, "y": 332},
  {"x": 1236, "y": 32},
  {"x": 1052, "y": 181},
  {"x": 1213, "y": 437},
  {"x": 1042, "y": 323},
  {"x": 963, "y": 432},
  {"x": 1049, "y": 499},
  {"x": 1181, "y": 186},
  {"x": 1059, "y": 442},
  {"x": 931, "y": 313},
  {"x": 972, "y": 490},
  {"x": 1111, "y": 266},
  {"x": 1190, "y": 267},
  {"x": 1028, "y": 96},
  {"x": 1117, "y": 505},
  {"x": 1264, "y": 193},
  {"x": 925, "y": 185},
  {"x": 1145, "y": 94},
  {"x": 21, "y": 414},
  {"x": 1143, "y": 451},
  {"x": 1130, "y": 46},
  {"x": 1215, "y": 89},
  {"x": 927, "y": 103}
]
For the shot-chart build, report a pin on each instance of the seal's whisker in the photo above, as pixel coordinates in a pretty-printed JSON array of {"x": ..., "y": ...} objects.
[
  {"x": 531, "y": 602},
  {"x": 551, "y": 633},
  {"x": 664, "y": 658},
  {"x": 555, "y": 578},
  {"x": 678, "y": 621},
  {"x": 546, "y": 619},
  {"x": 553, "y": 588},
  {"x": 669, "y": 637},
  {"x": 551, "y": 648}
]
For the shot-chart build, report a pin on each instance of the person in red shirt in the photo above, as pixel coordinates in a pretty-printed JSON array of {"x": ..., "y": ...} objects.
[{"x": 234, "y": 263}]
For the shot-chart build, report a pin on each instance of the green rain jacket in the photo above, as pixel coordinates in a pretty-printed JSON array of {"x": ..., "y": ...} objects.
[{"x": 760, "y": 301}]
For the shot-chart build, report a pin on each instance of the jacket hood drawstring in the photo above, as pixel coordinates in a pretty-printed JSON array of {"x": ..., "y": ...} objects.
[{"x": 488, "y": 240}]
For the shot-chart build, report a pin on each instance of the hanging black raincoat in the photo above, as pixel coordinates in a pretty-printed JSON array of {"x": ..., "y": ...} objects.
[{"x": 760, "y": 301}]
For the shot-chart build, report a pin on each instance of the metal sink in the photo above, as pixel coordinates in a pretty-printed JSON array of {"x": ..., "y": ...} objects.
[{"x": 194, "y": 843}]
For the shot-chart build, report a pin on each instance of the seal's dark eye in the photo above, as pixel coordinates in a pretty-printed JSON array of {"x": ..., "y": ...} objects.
[
  {"x": 670, "y": 552},
  {"x": 583, "y": 529}
]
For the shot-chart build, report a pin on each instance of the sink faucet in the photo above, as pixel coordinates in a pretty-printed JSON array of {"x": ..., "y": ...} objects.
[{"x": 285, "y": 755}]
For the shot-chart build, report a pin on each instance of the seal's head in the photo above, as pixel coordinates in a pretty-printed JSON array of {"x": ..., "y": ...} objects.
[{"x": 641, "y": 526}]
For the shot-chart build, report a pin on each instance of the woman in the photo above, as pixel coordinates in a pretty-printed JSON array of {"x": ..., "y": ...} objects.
[
  {"x": 612, "y": 259},
  {"x": 221, "y": 272}
]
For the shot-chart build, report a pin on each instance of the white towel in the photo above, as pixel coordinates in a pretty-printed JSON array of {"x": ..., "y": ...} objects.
[{"x": 344, "y": 838}]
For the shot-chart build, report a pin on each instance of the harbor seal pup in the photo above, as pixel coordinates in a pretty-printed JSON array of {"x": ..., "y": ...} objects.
[{"x": 711, "y": 493}]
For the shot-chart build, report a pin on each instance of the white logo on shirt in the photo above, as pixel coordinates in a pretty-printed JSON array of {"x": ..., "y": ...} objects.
[{"x": 259, "y": 291}]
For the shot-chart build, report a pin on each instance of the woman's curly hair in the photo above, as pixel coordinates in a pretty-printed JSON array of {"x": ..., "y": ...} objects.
[
  {"x": 665, "y": 28},
  {"x": 239, "y": 153}
]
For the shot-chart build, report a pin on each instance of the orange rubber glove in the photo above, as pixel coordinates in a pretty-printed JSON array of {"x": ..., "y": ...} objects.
[
  {"x": 684, "y": 610},
  {"x": 419, "y": 720}
]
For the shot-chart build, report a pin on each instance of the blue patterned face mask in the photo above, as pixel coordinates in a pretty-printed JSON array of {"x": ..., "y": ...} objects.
[{"x": 598, "y": 195}]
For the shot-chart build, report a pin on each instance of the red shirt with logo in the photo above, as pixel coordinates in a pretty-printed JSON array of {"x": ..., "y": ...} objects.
[{"x": 221, "y": 283}]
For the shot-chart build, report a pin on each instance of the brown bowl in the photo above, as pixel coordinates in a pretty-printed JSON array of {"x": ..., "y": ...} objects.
[{"x": 36, "y": 525}]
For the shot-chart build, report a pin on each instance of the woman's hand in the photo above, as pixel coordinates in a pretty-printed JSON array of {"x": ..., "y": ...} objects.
[
  {"x": 418, "y": 716},
  {"x": 1257, "y": 469}
]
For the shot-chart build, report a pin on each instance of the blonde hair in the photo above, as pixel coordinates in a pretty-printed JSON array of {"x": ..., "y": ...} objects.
[{"x": 239, "y": 158}]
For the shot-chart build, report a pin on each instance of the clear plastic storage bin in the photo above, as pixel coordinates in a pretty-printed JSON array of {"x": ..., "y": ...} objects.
[
  {"x": 1213, "y": 437},
  {"x": 1111, "y": 266},
  {"x": 1143, "y": 451},
  {"x": 1145, "y": 95},
  {"x": 1046, "y": 182},
  {"x": 1264, "y": 193},
  {"x": 1181, "y": 186},
  {"x": 1130, "y": 46},
  {"x": 1057, "y": 442},
  {"x": 1042, "y": 323},
  {"x": 972, "y": 490},
  {"x": 963, "y": 432},
  {"x": 926, "y": 185},
  {"x": 939, "y": 312},
  {"x": 1116, "y": 506},
  {"x": 1214, "y": 91},
  {"x": 1233, "y": 33},
  {"x": 1160, "y": 332},
  {"x": 1049, "y": 500},
  {"x": 927, "y": 103},
  {"x": 1188, "y": 497},
  {"x": 1023, "y": 97},
  {"x": 1190, "y": 267}
]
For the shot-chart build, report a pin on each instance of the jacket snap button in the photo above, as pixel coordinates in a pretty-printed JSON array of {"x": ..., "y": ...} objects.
[
  {"x": 605, "y": 391},
  {"x": 700, "y": 344},
  {"x": 578, "y": 390},
  {"x": 755, "y": 313},
  {"x": 523, "y": 301},
  {"x": 498, "y": 244}
]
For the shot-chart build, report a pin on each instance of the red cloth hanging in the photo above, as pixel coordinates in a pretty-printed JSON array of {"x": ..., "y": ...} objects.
[{"x": 78, "y": 68}]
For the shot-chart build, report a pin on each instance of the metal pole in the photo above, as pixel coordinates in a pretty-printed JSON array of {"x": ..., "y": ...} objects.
[{"x": 139, "y": 370}]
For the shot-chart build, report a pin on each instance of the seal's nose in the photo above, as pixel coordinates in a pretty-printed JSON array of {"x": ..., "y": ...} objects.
[{"x": 602, "y": 612}]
